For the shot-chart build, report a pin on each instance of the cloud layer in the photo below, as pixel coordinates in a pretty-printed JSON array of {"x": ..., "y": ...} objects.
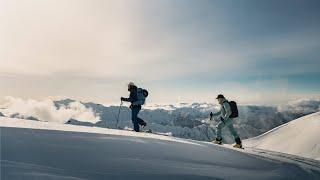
[
  {"x": 190, "y": 48},
  {"x": 46, "y": 110}
]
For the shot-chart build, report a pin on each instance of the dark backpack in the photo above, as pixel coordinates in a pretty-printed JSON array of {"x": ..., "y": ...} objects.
[
  {"x": 234, "y": 109},
  {"x": 142, "y": 94},
  {"x": 145, "y": 93}
]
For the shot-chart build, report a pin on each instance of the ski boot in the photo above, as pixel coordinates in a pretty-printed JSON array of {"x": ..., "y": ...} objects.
[
  {"x": 238, "y": 146},
  {"x": 238, "y": 143},
  {"x": 218, "y": 141},
  {"x": 144, "y": 124}
]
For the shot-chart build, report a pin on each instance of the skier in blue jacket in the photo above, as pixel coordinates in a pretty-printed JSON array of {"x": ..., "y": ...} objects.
[
  {"x": 135, "y": 107},
  {"x": 225, "y": 121}
]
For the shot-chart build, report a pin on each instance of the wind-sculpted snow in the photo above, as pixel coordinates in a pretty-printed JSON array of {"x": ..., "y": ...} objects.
[
  {"x": 40, "y": 150},
  {"x": 181, "y": 120},
  {"x": 299, "y": 137}
]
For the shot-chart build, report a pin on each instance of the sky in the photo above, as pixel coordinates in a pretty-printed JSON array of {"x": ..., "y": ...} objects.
[{"x": 254, "y": 52}]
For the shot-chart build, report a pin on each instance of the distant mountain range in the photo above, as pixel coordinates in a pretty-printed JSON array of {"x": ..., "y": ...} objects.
[{"x": 192, "y": 120}]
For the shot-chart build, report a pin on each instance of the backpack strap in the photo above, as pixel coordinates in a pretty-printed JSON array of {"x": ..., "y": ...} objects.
[{"x": 225, "y": 101}]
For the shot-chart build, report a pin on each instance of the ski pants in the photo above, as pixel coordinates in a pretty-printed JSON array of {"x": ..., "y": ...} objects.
[
  {"x": 226, "y": 123},
  {"x": 135, "y": 119}
]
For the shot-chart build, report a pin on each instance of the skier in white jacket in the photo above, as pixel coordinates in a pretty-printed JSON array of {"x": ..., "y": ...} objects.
[{"x": 225, "y": 121}]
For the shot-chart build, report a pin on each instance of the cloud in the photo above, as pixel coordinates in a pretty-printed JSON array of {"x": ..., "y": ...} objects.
[
  {"x": 104, "y": 44},
  {"x": 45, "y": 110},
  {"x": 111, "y": 38},
  {"x": 306, "y": 105}
]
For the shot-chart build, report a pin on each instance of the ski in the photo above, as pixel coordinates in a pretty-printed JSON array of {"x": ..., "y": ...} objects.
[
  {"x": 146, "y": 131},
  {"x": 221, "y": 144}
]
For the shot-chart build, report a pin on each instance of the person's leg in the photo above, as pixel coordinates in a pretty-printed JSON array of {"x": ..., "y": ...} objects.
[
  {"x": 219, "y": 127},
  {"x": 141, "y": 122},
  {"x": 134, "y": 118},
  {"x": 234, "y": 132}
]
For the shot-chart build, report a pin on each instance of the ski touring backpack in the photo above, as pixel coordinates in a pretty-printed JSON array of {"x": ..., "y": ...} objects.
[
  {"x": 142, "y": 94},
  {"x": 234, "y": 109}
]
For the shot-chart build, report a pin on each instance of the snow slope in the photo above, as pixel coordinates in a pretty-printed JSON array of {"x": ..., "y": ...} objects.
[
  {"x": 40, "y": 150},
  {"x": 299, "y": 137}
]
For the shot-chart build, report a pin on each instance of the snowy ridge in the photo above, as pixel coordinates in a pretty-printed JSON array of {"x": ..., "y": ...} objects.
[
  {"x": 299, "y": 137},
  {"x": 20, "y": 123},
  {"x": 46, "y": 150}
]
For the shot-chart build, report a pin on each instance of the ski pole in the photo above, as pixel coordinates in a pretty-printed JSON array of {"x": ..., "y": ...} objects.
[{"x": 119, "y": 114}]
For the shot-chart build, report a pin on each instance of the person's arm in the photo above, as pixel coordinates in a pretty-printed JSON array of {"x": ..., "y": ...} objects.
[
  {"x": 124, "y": 99},
  {"x": 227, "y": 108},
  {"x": 217, "y": 113},
  {"x": 132, "y": 97},
  {"x": 214, "y": 114}
]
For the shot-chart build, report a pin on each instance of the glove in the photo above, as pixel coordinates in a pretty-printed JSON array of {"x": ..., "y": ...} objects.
[{"x": 211, "y": 115}]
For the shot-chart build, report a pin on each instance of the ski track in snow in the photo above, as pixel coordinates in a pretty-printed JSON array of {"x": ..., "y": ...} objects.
[{"x": 278, "y": 156}]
